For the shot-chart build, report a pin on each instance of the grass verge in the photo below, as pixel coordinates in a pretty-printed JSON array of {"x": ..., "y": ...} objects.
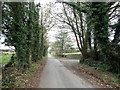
[
  {"x": 99, "y": 70},
  {"x": 14, "y": 79}
]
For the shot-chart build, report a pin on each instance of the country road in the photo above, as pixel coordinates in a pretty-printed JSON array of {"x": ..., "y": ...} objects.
[{"x": 55, "y": 75}]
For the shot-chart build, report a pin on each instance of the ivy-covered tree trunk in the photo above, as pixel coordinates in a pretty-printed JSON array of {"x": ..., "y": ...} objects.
[
  {"x": 100, "y": 17},
  {"x": 23, "y": 31}
]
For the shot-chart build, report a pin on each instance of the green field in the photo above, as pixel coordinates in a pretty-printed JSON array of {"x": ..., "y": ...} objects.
[
  {"x": 72, "y": 53},
  {"x": 4, "y": 59},
  {"x": 8, "y": 52}
]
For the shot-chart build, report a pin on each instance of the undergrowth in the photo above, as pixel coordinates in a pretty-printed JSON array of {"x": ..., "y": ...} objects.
[
  {"x": 104, "y": 67},
  {"x": 12, "y": 78}
]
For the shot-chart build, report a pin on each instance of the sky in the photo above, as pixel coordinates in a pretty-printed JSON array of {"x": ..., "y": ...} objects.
[
  {"x": 3, "y": 46},
  {"x": 44, "y": 1},
  {"x": 51, "y": 33}
]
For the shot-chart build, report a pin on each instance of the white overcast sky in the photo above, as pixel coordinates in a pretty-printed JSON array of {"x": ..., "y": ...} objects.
[
  {"x": 52, "y": 33},
  {"x": 44, "y": 1}
]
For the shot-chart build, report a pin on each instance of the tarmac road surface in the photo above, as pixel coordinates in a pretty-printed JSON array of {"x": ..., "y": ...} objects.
[{"x": 55, "y": 75}]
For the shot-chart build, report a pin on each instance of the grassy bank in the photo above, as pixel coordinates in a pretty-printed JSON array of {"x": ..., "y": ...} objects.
[
  {"x": 103, "y": 71},
  {"x": 14, "y": 79}
]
